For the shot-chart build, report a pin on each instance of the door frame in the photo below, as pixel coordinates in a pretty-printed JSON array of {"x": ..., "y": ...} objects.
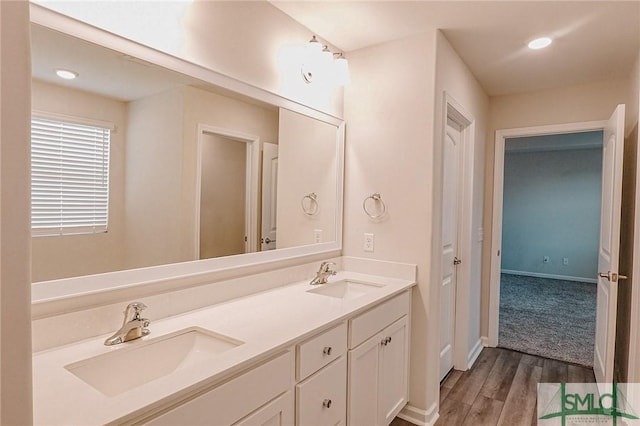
[
  {"x": 498, "y": 187},
  {"x": 463, "y": 355},
  {"x": 251, "y": 182}
]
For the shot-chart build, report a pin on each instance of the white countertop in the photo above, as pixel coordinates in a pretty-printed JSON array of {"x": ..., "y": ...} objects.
[{"x": 268, "y": 322}]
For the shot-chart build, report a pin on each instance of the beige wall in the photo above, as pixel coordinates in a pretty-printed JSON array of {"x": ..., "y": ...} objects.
[
  {"x": 72, "y": 255},
  {"x": 586, "y": 102},
  {"x": 153, "y": 180},
  {"x": 307, "y": 161},
  {"x": 15, "y": 226},
  {"x": 394, "y": 110}
]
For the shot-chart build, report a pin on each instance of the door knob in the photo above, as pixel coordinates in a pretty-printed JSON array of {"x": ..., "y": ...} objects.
[{"x": 456, "y": 261}]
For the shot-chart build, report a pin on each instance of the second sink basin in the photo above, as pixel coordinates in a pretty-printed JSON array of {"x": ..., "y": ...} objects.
[
  {"x": 126, "y": 368},
  {"x": 345, "y": 289}
]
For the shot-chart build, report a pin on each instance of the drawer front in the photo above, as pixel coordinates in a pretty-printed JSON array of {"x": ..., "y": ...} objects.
[
  {"x": 369, "y": 323},
  {"x": 230, "y": 401},
  {"x": 322, "y": 398},
  {"x": 320, "y": 350}
]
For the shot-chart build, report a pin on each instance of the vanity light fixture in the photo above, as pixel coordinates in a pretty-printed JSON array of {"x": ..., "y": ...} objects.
[
  {"x": 66, "y": 74},
  {"x": 539, "y": 43},
  {"x": 321, "y": 61}
]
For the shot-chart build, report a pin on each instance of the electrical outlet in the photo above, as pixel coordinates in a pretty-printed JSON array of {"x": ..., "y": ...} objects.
[
  {"x": 317, "y": 235},
  {"x": 565, "y": 260},
  {"x": 545, "y": 259},
  {"x": 369, "y": 242}
]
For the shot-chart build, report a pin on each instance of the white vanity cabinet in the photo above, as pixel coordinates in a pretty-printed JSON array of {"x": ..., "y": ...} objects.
[
  {"x": 321, "y": 394},
  {"x": 378, "y": 363},
  {"x": 260, "y": 396}
]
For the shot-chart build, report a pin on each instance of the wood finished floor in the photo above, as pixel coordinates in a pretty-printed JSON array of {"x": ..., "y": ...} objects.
[{"x": 500, "y": 389}]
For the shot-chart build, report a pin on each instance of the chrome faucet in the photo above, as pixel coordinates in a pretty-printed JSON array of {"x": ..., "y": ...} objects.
[
  {"x": 323, "y": 273},
  {"x": 133, "y": 326}
]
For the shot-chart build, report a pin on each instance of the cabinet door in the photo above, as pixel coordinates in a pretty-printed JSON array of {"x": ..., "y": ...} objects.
[
  {"x": 278, "y": 412},
  {"x": 322, "y": 398},
  {"x": 363, "y": 383},
  {"x": 394, "y": 357}
]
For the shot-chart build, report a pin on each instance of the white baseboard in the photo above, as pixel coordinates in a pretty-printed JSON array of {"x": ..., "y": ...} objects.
[
  {"x": 486, "y": 342},
  {"x": 551, "y": 276},
  {"x": 475, "y": 352},
  {"x": 418, "y": 416}
]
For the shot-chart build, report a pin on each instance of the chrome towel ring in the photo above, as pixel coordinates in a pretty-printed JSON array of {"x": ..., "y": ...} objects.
[
  {"x": 310, "y": 204},
  {"x": 379, "y": 206}
]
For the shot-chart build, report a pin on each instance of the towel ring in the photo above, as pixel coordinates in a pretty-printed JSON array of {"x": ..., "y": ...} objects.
[
  {"x": 377, "y": 198},
  {"x": 310, "y": 208}
]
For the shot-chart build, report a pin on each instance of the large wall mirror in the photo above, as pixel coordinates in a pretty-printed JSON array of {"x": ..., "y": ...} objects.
[{"x": 196, "y": 171}]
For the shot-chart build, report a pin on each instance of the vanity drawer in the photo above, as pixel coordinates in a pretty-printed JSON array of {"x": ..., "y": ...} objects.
[
  {"x": 369, "y": 323},
  {"x": 322, "y": 398},
  {"x": 320, "y": 350},
  {"x": 234, "y": 399}
]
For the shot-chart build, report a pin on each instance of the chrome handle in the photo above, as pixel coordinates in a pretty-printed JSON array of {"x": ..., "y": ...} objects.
[
  {"x": 268, "y": 240},
  {"x": 456, "y": 261},
  {"x": 326, "y": 403},
  {"x": 327, "y": 350},
  {"x": 389, "y": 339},
  {"x": 384, "y": 342},
  {"x": 612, "y": 276}
]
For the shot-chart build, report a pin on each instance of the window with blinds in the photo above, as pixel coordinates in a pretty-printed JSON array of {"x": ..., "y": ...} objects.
[{"x": 69, "y": 177}]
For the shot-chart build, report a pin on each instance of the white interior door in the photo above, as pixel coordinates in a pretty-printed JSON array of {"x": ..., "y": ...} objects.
[
  {"x": 269, "y": 195},
  {"x": 451, "y": 189},
  {"x": 608, "y": 274}
]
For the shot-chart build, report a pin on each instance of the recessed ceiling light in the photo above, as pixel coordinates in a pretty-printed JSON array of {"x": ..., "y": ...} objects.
[
  {"x": 539, "y": 43},
  {"x": 66, "y": 74}
]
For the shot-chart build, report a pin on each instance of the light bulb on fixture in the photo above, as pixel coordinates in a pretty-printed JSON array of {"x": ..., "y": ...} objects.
[
  {"x": 66, "y": 74},
  {"x": 341, "y": 66},
  {"x": 539, "y": 43},
  {"x": 314, "y": 45}
]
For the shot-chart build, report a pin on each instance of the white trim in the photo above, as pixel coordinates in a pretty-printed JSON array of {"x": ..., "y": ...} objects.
[
  {"x": 551, "y": 276},
  {"x": 475, "y": 353},
  {"x": 485, "y": 341},
  {"x": 74, "y": 119},
  {"x": 633, "y": 368},
  {"x": 455, "y": 111},
  {"x": 251, "y": 191},
  {"x": 496, "y": 223},
  {"x": 418, "y": 416}
]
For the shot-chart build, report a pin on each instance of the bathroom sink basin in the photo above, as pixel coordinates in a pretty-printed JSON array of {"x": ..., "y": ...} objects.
[
  {"x": 345, "y": 289},
  {"x": 138, "y": 362}
]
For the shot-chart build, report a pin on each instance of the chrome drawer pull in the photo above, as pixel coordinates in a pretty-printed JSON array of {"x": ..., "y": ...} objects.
[
  {"x": 326, "y": 403},
  {"x": 327, "y": 350}
]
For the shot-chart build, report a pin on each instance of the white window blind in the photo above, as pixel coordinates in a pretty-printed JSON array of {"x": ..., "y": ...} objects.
[{"x": 69, "y": 177}]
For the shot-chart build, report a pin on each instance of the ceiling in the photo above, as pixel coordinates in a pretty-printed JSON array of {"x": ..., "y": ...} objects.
[{"x": 593, "y": 40}]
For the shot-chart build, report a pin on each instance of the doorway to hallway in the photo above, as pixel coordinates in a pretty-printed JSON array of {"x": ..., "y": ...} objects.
[{"x": 550, "y": 232}]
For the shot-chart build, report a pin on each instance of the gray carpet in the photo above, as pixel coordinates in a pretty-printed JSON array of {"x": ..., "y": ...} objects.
[{"x": 550, "y": 318}]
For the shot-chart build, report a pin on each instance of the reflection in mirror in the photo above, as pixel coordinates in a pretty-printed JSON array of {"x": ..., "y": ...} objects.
[{"x": 195, "y": 170}]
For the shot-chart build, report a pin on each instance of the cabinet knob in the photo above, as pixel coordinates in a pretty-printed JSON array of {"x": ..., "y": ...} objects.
[
  {"x": 326, "y": 403},
  {"x": 327, "y": 350},
  {"x": 384, "y": 342},
  {"x": 389, "y": 339}
]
